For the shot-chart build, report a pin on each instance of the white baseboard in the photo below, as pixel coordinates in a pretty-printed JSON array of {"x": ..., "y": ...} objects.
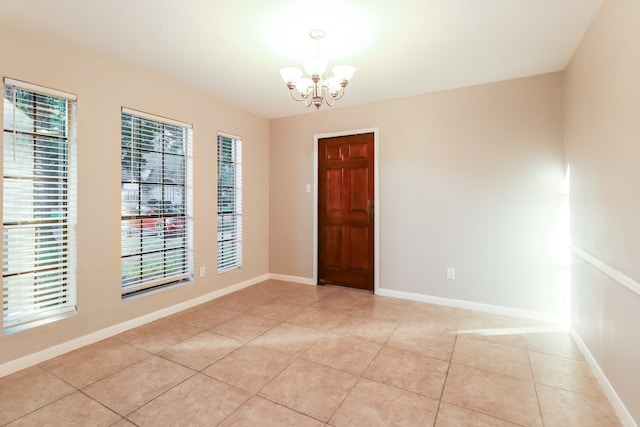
[
  {"x": 294, "y": 279},
  {"x": 468, "y": 305},
  {"x": 625, "y": 417},
  {"x": 65, "y": 347}
]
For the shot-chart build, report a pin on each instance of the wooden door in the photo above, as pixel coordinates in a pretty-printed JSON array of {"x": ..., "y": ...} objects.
[{"x": 345, "y": 211}]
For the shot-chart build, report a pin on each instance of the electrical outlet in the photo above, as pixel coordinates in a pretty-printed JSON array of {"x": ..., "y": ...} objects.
[
  {"x": 202, "y": 271},
  {"x": 451, "y": 273}
]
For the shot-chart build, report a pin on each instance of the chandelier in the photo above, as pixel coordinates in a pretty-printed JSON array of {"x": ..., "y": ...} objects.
[{"x": 319, "y": 87}]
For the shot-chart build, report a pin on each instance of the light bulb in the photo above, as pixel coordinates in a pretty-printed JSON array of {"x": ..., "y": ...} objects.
[
  {"x": 343, "y": 72},
  {"x": 290, "y": 74},
  {"x": 315, "y": 66}
]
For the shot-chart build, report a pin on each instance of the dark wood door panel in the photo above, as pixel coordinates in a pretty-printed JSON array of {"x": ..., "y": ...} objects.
[{"x": 345, "y": 211}]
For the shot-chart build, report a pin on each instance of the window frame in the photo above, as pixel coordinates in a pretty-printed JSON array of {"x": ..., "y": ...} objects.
[
  {"x": 229, "y": 236},
  {"x": 50, "y": 286},
  {"x": 173, "y": 248}
]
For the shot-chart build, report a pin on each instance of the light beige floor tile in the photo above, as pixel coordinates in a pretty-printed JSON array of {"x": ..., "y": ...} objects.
[
  {"x": 156, "y": 336},
  {"x": 94, "y": 362},
  {"x": 376, "y": 309},
  {"x": 290, "y": 339},
  {"x": 560, "y": 372},
  {"x": 375, "y": 404},
  {"x": 409, "y": 371},
  {"x": 454, "y": 416},
  {"x": 124, "y": 423},
  {"x": 243, "y": 301},
  {"x": 425, "y": 312},
  {"x": 245, "y": 327},
  {"x": 347, "y": 354},
  {"x": 407, "y": 303},
  {"x": 312, "y": 389},
  {"x": 428, "y": 340},
  {"x": 506, "y": 360},
  {"x": 315, "y": 318},
  {"x": 249, "y": 367},
  {"x": 493, "y": 394},
  {"x": 274, "y": 288},
  {"x": 261, "y": 412},
  {"x": 205, "y": 316},
  {"x": 201, "y": 350},
  {"x": 255, "y": 295},
  {"x": 345, "y": 290},
  {"x": 499, "y": 320},
  {"x": 497, "y": 329},
  {"x": 485, "y": 385},
  {"x": 127, "y": 390},
  {"x": 344, "y": 302},
  {"x": 27, "y": 390},
  {"x": 372, "y": 330},
  {"x": 199, "y": 401},
  {"x": 73, "y": 410},
  {"x": 433, "y": 319},
  {"x": 552, "y": 342},
  {"x": 308, "y": 296},
  {"x": 277, "y": 310},
  {"x": 561, "y": 408}
]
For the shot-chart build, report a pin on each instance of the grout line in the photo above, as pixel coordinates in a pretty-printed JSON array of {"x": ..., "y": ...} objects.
[
  {"x": 446, "y": 375},
  {"x": 535, "y": 387}
]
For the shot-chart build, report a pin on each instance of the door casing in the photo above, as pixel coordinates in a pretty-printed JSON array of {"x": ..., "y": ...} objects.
[{"x": 376, "y": 197}]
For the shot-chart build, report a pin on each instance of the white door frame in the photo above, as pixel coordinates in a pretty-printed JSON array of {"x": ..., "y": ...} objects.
[{"x": 376, "y": 197}]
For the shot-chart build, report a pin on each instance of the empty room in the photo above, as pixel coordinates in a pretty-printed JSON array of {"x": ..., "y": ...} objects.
[{"x": 320, "y": 213}]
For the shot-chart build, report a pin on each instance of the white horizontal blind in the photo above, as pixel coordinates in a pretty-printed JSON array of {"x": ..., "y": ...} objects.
[
  {"x": 38, "y": 221},
  {"x": 229, "y": 203},
  {"x": 155, "y": 243}
]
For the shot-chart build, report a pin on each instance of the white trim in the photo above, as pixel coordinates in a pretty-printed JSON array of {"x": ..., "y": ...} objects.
[
  {"x": 40, "y": 89},
  {"x": 621, "y": 410},
  {"x": 468, "y": 305},
  {"x": 294, "y": 279},
  {"x": 616, "y": 275},
  {"x": 156, "y": 118},
  {"x": 48, "y": 353},
  {"x": 376, "y": 198},
  {"x": 229, "y": 135},
  {"x": 132, "y": 290}
]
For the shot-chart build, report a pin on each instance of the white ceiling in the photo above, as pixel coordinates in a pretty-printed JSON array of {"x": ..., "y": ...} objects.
[{"x": 234, "y": 49}]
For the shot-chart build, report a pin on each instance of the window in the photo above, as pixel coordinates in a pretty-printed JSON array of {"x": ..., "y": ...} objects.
[
  {"x": 156, "y": 247},
  {"x": 38, "y": 216},
  {"x": 229, "y": 202}
]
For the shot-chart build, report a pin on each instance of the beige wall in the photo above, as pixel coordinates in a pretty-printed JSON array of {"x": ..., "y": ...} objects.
[
  {"x": 602, "y": 92},
  {"x": 469, "y": 178},
  {"x": 103, "y": 87}
]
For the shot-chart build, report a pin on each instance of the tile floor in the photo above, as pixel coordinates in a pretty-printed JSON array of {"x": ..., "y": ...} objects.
[{"x": 283, "y": 354}]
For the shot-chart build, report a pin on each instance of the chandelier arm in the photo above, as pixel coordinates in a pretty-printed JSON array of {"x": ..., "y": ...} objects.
[
  {"x": 328, "y": 99},
  {"x": 293, "y": 96},
  {"x": 308, "y": 101},
  {"x": 340, "y": 93}
]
